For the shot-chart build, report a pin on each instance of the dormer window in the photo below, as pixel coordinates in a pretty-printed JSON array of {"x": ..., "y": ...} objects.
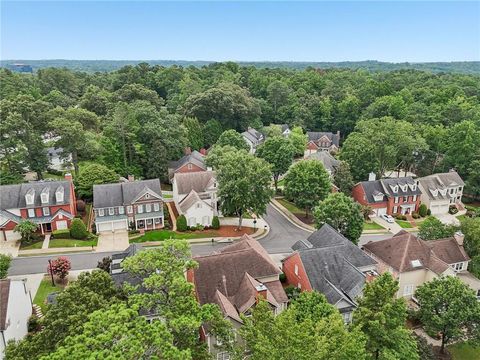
[
  {"x": 30, "y": 197},
  {"x": 394, "y": 188},
  {"x": 434, "y": 192},
  {"x": 59, "y": 194},
  {"x": 404, "y": 188},
  {"x": 44, "y": 195}
]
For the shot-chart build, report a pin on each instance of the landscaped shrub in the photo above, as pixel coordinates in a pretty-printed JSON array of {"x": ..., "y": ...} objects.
[
  {"x": 61, "y": 234},
  {"x": 422, "y": 210},
  {"x": 5, "y": 261},
  {"x": 166, "y": 224},
  {"x": 215, "y": 223},
  {"x": 105, "y": 263},
  {"x": 429, "y": 212},
  {"x": 78, "y": 230},
  {"x": 452, "y": 210},
  {"x": 182, "y": 223},
  {"x": 282, "y": 277},
  {"x": 81, "y": 206},
  {"x": 60, "y": 267},
  {"x": 401, "y": 217},
  {"x": 33, "y": 324},
  {"x": 416, "y": 215}
]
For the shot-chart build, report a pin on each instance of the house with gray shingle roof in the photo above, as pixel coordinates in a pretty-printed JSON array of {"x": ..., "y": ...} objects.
[
  {"x": 329, "y": 263},
  {"x": 195, "y": 196},
  {"x": 191, "y": 162},
  {"x": 322, "y": 141},
  {"x": 253, "y": 138},
  {"x": 136, "y": 204},
  {"x": 439, "y": 191},
  {"x": 329, "y": 162}
]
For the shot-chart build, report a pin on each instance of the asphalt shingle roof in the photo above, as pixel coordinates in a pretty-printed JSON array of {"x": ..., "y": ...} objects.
[
  {"x": 13, "y": 196},
  {"x": 316, "y": 135},
  {"x": 108, "y": 195}
]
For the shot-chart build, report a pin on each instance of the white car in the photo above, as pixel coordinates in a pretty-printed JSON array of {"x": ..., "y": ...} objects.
[{"x": 388, "y": 218}]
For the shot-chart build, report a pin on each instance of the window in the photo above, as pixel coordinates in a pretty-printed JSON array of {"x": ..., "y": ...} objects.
[
  {"x": 130, "y": 209},
  {"x": 140, "y": 209},
  {"x": 147, "y": 196},
  {"x": 396, "y": 199},
  {"x": 395, "y": 209},
  {"x": 414, "y": 197},
  {"x": 44, "y": 197},
  {"x": 223, "y": 356},
  {"x": 46, "y": 211},
  {"x": 121, "y": 210},
  {"x": 347, "y": 317},
  {"x": 458, "y": 266},
  {"x": 408, "y": 290},
  {"x": 296, "y": 269},
  {"x": 101, "y": 212},
  {"x": 31, "y": 212},
  {"x": 405, "y": 198},
  {"x": 148, "y": 207},
  {"x": 29, "y": 199},
  {"x": 198, "y": 206},
  {"x": 156, "y": 207},
  {"x": 59, "y": 194},
  {"x": 111, "y": 211},
  {"x": 158, "y": 221},
  {"x": 189, "y": 166}
]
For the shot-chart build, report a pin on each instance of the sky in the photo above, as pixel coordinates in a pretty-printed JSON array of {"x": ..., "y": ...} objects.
[{"x": 241, "y": 31}]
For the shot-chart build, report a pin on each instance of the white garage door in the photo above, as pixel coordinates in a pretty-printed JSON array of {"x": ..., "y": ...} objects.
[
  {"x": 439, "y": 209},
  {"x": 119, "y": 225},
  {"x": 104, "y": 226},
  {"x": 62, "y": 225},
  {"x": 381, "y": 211}
]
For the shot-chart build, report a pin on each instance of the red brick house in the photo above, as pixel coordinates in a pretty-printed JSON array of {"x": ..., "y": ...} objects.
[
  {"x": 193, "y": 161},
  {"x": 389, "y": 196},
  {"x": 50, "y": 204},
  {"x": 322, "y": 141}
]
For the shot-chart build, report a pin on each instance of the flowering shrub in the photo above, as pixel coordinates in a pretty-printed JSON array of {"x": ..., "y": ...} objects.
[{"x": 60, "y": 267}]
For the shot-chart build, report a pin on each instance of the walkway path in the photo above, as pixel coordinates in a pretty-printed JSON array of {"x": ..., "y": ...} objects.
[{"x": 46, "y": 241}]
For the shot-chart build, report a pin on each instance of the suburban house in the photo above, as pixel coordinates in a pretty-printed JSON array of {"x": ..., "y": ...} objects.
[
  {"x": 389, "y": 196},
  {"x": 413, "y": 261},
  {"x": 322, "y": 141},
  {"x": 50, "y": 204},
  {"x": 329, "y": 162},
  {"x": 132, "y": 204},
  {"x": 253, "y": 138},
  {"x": 15, "y": 310},
  {"x": 192, "y": 161},
  {"x": 57, "y": 161},
  {"x": 195, "y": 196},
  {"x": 234, "y": 278},
  {"x": 331, "y": 264},
  {"x": 439, "y": 191},
  {"x": 285, "y": 130}
]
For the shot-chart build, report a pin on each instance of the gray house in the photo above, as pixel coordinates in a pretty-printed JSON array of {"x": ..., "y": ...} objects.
[{"x": 253, "y": 138}]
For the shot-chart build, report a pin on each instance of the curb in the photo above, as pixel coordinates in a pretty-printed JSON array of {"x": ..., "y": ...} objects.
[{"x": 288, "y": 215}]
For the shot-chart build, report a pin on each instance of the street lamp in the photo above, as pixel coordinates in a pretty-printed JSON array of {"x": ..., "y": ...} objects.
[
  {"x": 51, "y": 271},
  {"x": 254, "y": 225}
]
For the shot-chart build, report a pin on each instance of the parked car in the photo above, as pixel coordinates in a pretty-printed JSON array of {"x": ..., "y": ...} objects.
[{"x": 388, "y": 218}]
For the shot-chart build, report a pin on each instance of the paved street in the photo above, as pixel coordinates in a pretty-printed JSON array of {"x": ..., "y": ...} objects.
[{"x": 283, "y": 234}]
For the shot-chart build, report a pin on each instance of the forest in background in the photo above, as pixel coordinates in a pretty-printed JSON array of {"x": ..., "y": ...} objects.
[
  {"x": 136, "y": 119},
  {"x": 461, "y": 67}
]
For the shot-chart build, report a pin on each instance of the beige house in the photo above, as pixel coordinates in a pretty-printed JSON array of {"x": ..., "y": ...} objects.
[
  {"x": 414, "y": 261},
  {"x": 439, "y": 191}
]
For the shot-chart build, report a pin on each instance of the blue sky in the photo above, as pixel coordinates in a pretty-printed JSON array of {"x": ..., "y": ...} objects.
[{"x": 248, "y": 31}]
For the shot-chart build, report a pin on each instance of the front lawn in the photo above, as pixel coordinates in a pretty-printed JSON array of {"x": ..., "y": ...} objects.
[
  {"x": 461, "y": 217},
  {"x": 291, "y": 207},
  {"x": 404, "y": 224},
  {"x": 158, "y": 235},
  {"x": 464, "y": 351},
  {"x": 42, "y": 292},
  {"x": 60, "y": 243},
  {"x": 372, "y": 226},
  {"x": 35, "y": 245}
]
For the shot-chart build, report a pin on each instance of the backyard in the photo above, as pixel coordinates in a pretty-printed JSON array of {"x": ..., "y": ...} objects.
[{"x": 43, "y": 291}]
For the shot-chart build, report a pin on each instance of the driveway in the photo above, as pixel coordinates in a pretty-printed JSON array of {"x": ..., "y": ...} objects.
[
  {"x": 112, "y": 241},
  {"x": 448, "y": 219},
  {"x": 392, "y": 227}
]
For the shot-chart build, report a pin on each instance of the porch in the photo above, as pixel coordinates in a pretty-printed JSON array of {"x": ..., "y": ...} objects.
[{"x": 149, "y": 221}]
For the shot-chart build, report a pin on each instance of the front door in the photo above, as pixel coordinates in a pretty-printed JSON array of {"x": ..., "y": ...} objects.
[{"x": 48, "y": 227}]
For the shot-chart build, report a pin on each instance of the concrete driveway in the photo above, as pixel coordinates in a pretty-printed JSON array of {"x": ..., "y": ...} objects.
[
  {"x": 392, "y": 227},
  {"x": 448, "y": 219},
  {"x": 112, "y": 241}
]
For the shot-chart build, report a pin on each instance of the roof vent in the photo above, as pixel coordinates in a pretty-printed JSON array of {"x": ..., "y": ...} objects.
[{"x": 416, "y": 263}]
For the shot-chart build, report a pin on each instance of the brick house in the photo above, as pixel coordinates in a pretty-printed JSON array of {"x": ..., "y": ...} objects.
[
  {"x": 322, "y": 141},
  {"x": 389, "y": 196},
  {"x": 136, "y": 204},
  {"x": 193, "y": 161},
  {"x": 332, "y": 265},
  {"x": 50, "y": 204},
  {"x": 234, "y": 278}
]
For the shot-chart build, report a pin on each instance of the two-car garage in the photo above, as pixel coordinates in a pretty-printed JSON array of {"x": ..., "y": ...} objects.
[{"x": 113, "y": 225}]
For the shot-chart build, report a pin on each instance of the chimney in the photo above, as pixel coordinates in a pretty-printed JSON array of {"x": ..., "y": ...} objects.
[
  {"x": 261, "y": 292},
  {"x": 188, "y": 150},
  {"x": 372, "y": 176},
  {"x": 68, "y": 176},
  {"x": 131, "y": 178},
  {"x": 209, "y": 168},
  {"x": 338, "y": 134},
  {"x": 459, "y": 237}
]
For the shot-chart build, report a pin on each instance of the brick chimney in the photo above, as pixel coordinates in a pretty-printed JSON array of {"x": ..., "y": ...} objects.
[
  {"x": 131, "y": 178},
  {"x": 261, "y": 292},
  {"x": 188, "y": 150},
  {"x": 459, "y": 237},
  {"x": 68, "y": 176}
]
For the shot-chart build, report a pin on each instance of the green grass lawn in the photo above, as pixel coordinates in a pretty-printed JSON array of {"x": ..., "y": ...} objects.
[
  {"x": 372, "y": 226},
  {"x": 464, "y": 351},
  {"x": 59, "y": 243},
  {"x": 158, "y": 235},
  {"x": 404, "y": 224},
  {"x": 461, "y": 217},
  {"x": 36, "y": 245},
  {"x": 167, "y": 196},
  {"x": 281, "y": 182},
  {"x": 45, "y": 289},
  {"x": 291, "y": 207}
]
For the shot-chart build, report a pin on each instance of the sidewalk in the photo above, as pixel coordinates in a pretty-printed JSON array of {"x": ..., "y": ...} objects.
[{"x": 46, "y": 241}]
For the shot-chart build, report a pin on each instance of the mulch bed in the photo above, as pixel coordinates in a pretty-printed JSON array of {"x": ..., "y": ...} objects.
[
  {"x": 305, "y": 220},
  {"x": 231, "y": 231},
  {"x": 174, "y": 209}
]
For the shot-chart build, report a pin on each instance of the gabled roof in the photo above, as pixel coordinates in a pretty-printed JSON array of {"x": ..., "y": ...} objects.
[
  {"x": 13, "y": 196},
  {"x": 317, "y": 135},
  {"x": 230, "y": 276},
  {"x": 188, "y": 201},
  {"x": 440, "y": 181},
  {"x": 284, "y": 127},
  {"x": 385, "y": 187},
  {"x": 120, "y": 194},
  {"x": 405, "y": 252},
  {"x": 195, "y": 158},
  {"x": 198, "y": 181},
  {"x": 328, "y": 161},
  {"x": 253, "y": 135}
]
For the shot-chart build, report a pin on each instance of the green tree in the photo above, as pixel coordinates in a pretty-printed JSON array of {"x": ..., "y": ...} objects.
[
  {"x": 93, "y": 174},
  {"x": 448, "y": 307},
  {"x": 381, "y": 317},
  {"x": 343, "y": 179},
  {"x": 471, "y": 230},
  {"x": 244, "y": 184},
  {"x": 194, "y": 133},
  {"x": 342, "y": 213},
  {"x": 272, "y": 130},
  {"x": 95, "y": 100},
  {"x": 306, "y": 183},
  {"x": 432, "y": 228},
  {"x": 182, "y": 223},
  {"x": 422, "y": 210},
  {"x": 78, "y": 230},
  {"x": 216, "y": 153},
  {"x": 462, "y": 146},
  {"x": 5, "y": 261},
  {"x": 298, "y": 140},
  {"x": 119, "y": 333},
  {"x": 278, "y": 152},
  {"x": 232, "y": 138},
  {"x": 310, "y": 328},
  {"x": 211, "y": 132},
  {"x": 277, "y": 95},
  {"x": 26, "y": 228}
]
